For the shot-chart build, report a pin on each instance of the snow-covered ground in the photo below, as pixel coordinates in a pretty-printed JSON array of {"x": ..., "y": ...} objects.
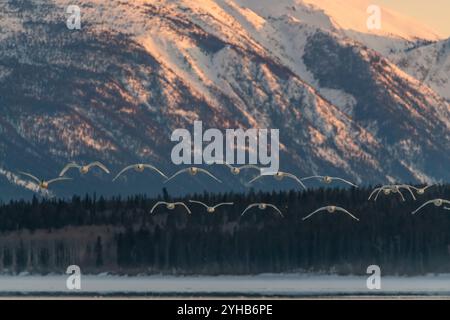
[{"x": 294, "y": 285}]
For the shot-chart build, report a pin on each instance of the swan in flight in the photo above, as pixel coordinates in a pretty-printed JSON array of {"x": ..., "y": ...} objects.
[
  {"x": 421, "y": 191},
  {"x": 394, "y": 189},
  {"x": 262, "y": 206},
  {"x": 280, "y": 176},
  {"x": 140, "y": 167},
  {"x": 43, "y": 184},
  {"x": 330, "y": 209},
  {"x": 170, "y": 206},
  {"x": 83, "y": 169},
  {"x": 436, "y": 202},
  {"x": 234, "y": 169},
  {"x": 212, "y": 209},
  {"x": 193, "y": 171},
  {"x": 328, "y": 180}
]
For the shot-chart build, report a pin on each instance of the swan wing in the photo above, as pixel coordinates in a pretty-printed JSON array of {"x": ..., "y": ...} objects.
[
  {"x": 347, "y": 212},
  {"x": 149, "y": 166},
  {"x": 30, "y": 176},
  {"x": 183, "y": 205},
  {"x": 313, "y": 213},
  {"x": 290, "y": 175},
  {"x": 209, "y": 174},
  {"x": 176, "y": 174},
  {"x": 345, "y": 181},
  {"x": 422, "y": 206},
  {"x": 58, "y": 180},
  {"x": 199, "y": 202},
  {"x": 156, "y": 205},
  {"x": 249, "y": 207},
  {"x": 123, "y": 171},
  {"x": 276, "y": 209},
  {"x": 99, "y": 165},
  {"x": 68, "y": 167}
]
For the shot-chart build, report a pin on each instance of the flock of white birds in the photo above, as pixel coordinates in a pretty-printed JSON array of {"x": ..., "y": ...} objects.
[{"x": 140, "y": 167}]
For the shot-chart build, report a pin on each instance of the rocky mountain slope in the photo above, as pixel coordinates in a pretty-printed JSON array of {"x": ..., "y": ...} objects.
[{"x": 137, "y": 70}]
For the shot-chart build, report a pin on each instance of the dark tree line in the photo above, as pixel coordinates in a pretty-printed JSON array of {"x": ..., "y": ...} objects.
[{"x": 129, "y": 239}]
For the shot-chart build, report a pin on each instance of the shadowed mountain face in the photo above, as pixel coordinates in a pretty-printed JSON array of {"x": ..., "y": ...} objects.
[{"x": 115, "y": 90}]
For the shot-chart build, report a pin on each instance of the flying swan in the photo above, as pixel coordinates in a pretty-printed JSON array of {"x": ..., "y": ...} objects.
[
  {"x": 328, "y": 180},
  {"x": 170, "y": 206},
  {"x": 436, "y": 202},
  {"x": 262, "y": 206},
  {"x": 234, "y": 169},
  {"x": 330, "y": 209},
  {"x": 83, "y": 169},
  {"x": 43, "y": 184},
  {"x": 140, "y": 167},
  {"x": 193, "y": 171},
  {"x": 280, "y": 176},
  {"x": 212, "y": 209}
]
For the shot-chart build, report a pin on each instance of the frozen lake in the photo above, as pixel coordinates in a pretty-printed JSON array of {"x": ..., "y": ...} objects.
[{"x": 288, "y": 285}]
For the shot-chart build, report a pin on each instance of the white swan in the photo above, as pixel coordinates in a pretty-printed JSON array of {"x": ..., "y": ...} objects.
[
  {"x": 193, "y": 171},
  {"x": 330, "y": 209},
  {"x": 262, "y": 206},
  {"x": 436, "y": 202},
  {"x": 213, "y": 208},
  {"x": 280, "y": 176},
  {"x": 170, "y": 206},
  {"x": 83, "y": 169},
  {"x": 43, "y": 184},
  {"x": 140, "y": 167},
  {"x": 235, "y": 170},
  {"x": 328, "y": 180}
]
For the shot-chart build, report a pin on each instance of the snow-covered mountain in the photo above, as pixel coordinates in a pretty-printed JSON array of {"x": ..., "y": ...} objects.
[
  {"x": 116, "y": 89},
  {"x": 429, "y": 64}
]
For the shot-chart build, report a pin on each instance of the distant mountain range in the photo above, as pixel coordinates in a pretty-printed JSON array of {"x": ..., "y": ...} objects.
[{"x": 370, "y": 107}]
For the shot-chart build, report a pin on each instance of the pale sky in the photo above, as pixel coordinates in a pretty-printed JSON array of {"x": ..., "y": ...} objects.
[{"x": 434, "y": 13}]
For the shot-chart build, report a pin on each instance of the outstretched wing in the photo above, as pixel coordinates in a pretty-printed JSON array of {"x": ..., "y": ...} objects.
[
  {"x": 176, "y": 174},
  {"x": 156, "y": 205},
  {"x": 249, "y": 207},
  {"x": 183, "y": 205},
  {"x": 209, "y": 174},
  {"x": 381, "y": 189},
  {"x": 424, "y": 188},
  {"x": 58, "y": 179},
  {"x": 123, "y": 171},
  {"x": 68, "y": 167},
  {"x": 149, "y": 166},
  {"x": 221, "y": 162},
  {"x": 313, "y": 213},
  {"x": 249, "y": 166},
  {"x": 99, "y": 165},
  {"x": 276, "y": 209},
  {"x": 290, "y": 175},
  {"x": 255, "y": 178},
  {"x": 373, "y": 192},
  {"x": 345, "y": 181},
  {"x": 404, "y": 186},
  {"x": 422, "y": 206},
  {"x": 312, "y": 177},
  {"x": 30, "y": 176},
  {"x": 345, "y": 211},
  {"x": 401, "y": 195},
  {"x": 223, "y": 204},
  {"x": 199, "y": 202}
]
